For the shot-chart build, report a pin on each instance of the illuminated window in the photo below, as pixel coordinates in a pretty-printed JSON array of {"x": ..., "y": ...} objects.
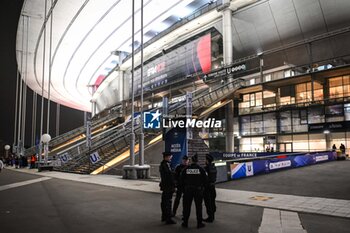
[
  {"x": 267, "y": 77},
  {"x": 269, "y": 99},
  {"x": 250, "y": 100},
  {"x": 303, "y": 92},
  {"x": 339, "y": 87},
  {"x": 316, "y": 115},
  {"x": 258, "y": 98},
  {"x": 285, "y": 122},
  {"x": 270, "y": 124},
  {"x": 246, "y": 98},
  {"x": 288, "y": 73},
  {"x": 318, "y": 91},
  {"x": 287, "y": 95}
]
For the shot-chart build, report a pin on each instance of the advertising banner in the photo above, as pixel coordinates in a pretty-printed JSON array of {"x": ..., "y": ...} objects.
[
  {"x": 244, "y": 155},
  {"x": 176, "y": 143},
  {"x": 255, "y": 167},
  {"x": 239, "y": 170},
  {"x": 303, "y": 160},
  {"x": 261, "y": 166},
  {"x": 192, "y": 58},
  {"x": 277, "y": 164}
]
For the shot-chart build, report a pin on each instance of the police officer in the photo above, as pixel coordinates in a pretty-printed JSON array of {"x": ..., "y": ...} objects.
[
  {"x": 193, "y": 179},
  {"x": 179, "y": 188},
  {"x": 167, "y": 185},
  {"x": 209, "y": 190}
]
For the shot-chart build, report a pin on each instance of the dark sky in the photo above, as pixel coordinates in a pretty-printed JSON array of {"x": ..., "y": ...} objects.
[{"x": 70, "y": 119}]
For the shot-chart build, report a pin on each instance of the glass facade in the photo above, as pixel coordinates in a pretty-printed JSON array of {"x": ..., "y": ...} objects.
[
  {"x": 298, "y": 116},
  {"x": 339, "y": 87}
]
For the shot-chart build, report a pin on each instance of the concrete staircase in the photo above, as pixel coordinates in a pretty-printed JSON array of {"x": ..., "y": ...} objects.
[
  {"x": 197, "y": 145},
  {"x": 118, "y": 140}
]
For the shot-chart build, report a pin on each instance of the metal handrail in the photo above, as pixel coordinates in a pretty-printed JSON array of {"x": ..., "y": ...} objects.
[
  {"x": 204, "y": 95},
  {"x": 75, "y": 132},
  {"x": 97, "y": 137},
  {"x": 220, "y": 91}
]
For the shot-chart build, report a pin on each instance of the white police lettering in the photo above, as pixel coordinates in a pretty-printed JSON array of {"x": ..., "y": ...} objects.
[{"x": 192, "y": 171}]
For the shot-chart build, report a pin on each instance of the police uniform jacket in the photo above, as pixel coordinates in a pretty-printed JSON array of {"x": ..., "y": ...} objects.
[
  {"x": 193, "y": 176},
  {"x": 211, "y": 171},
  {"x": 179, "y": 168},
  {"x": 167, "y": 182}
]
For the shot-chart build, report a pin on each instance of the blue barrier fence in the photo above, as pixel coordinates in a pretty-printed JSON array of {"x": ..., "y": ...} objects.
[{"x": 249, "y": 164}]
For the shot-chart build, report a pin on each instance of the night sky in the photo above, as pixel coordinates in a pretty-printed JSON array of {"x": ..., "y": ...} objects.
[{"x": 69, "y": 119}]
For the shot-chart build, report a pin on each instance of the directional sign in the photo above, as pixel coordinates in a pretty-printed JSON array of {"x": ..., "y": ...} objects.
[{"x": 94, "y": 157}]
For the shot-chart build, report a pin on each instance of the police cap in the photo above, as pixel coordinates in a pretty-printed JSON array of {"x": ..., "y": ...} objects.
[
  {"x": 166, "y": 153},
  {"x": 195, "y": 158},
  {"x": 209, "y": 158}
]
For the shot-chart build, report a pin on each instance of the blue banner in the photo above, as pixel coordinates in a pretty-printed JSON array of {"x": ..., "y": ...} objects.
[
  {"x": 236, "y": 155},
  {"x": 232, "y": 155},
  {"x": 282, "y": 161},
  {"x": 175, "y": 142}
]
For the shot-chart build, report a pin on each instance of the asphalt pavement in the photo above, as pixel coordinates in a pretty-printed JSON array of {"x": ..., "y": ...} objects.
[
  {"x": 327, "y": 180},
  {"x": 61, "y": 205}
]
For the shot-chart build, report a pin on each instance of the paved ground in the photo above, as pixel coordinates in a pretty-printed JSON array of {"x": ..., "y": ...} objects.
[
  {"x": 61, "y": 204},
  {"x": 328, "y": 180},
  {"x": 65, "y": 206},
  {"x": 9, "y": 179}
]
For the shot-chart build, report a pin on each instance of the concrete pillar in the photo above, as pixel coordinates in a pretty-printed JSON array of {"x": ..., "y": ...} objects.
[
  {"x": 261, "y": 66},
  {"x": 228, "y": 59},
  {"x": 229, "y": 127},
  {"x": 328, "y": 138},
  {"x": 227, "y": 34},
  {"x": 121, "y": 86}
]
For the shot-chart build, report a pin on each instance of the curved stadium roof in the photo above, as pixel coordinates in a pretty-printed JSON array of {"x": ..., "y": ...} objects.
[{"x": 85, "y": 34}]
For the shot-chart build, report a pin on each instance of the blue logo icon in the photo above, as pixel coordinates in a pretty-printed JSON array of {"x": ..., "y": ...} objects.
[{"x": 151, "y": 120}]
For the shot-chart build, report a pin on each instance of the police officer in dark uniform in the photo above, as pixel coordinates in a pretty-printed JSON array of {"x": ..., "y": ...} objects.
[
  {"x": 209, "y": 189},
  {"x": 179, "y": 188},
  {"x": 193, "y": 179},
  {"x": 167, "y": 185}
]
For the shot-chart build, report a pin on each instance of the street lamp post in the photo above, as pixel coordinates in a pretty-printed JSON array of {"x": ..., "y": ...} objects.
[
  {"x": 7, "y": 148},
  {"x": 45, "y": 138},
  {"x": 142, "y": 137},
  {"x": 129, "y": 171}
]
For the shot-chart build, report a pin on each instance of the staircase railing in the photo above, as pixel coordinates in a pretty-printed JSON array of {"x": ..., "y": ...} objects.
[
  {"x": 96, "y": 123},
  {"x": 120, "y": 136}
]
